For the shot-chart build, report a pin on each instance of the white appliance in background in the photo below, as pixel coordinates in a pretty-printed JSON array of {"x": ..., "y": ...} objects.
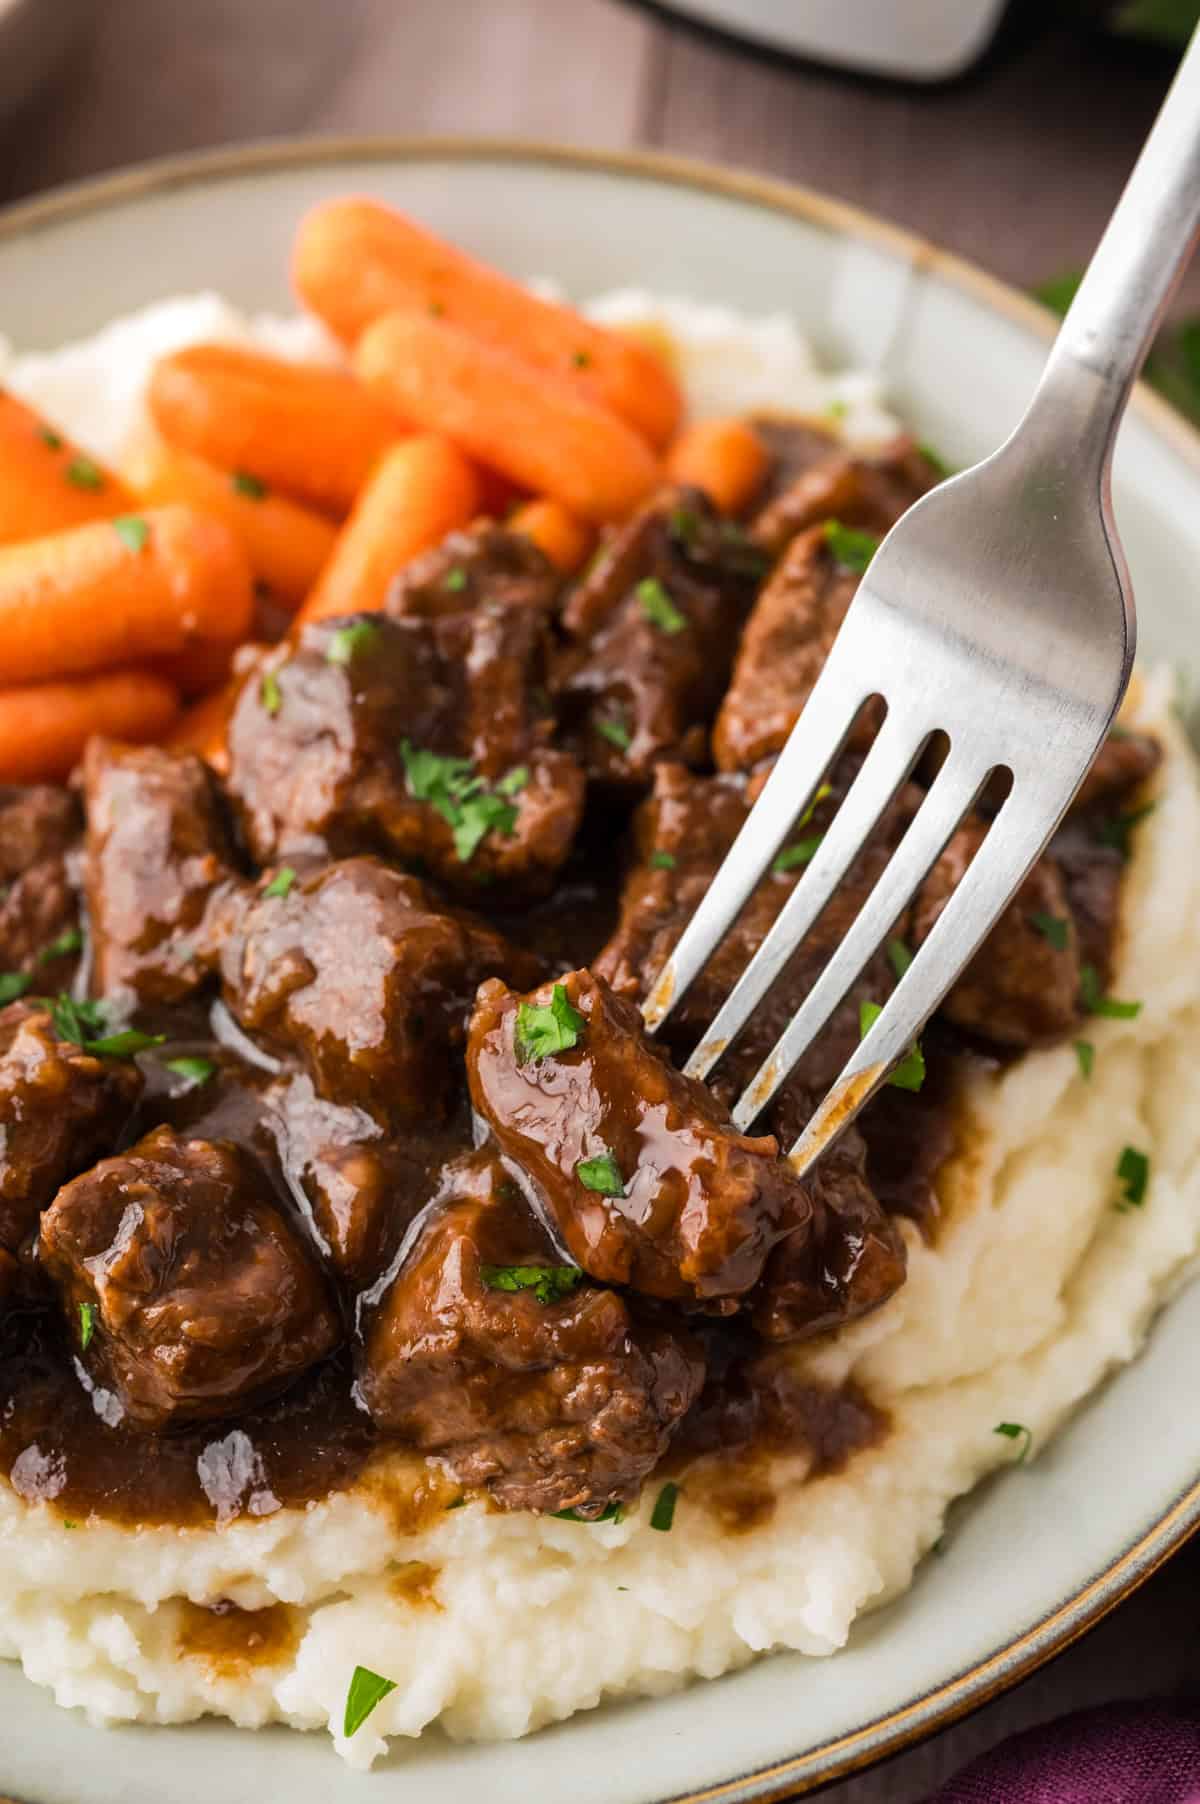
[{"x": 910, "y": 40}]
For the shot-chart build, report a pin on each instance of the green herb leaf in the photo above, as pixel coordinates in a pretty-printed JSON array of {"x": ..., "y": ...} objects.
[
  {"x": 899, "y": 957},
  {"x": 663, "y": 1514},
  {"x": 132, "y": 530},
  {"x": 458, "y": 1504},
  {"x": 514, "y": 782},
  {"x": 452, "y": 787},
  {"x": 1098, "y": 1004},
  {"x": 614, "y": 1513},
  {"x": 281, "y": 882},
  {"x": 51, "y": 438},
  {"x": 12, "y": 985},
  {"x": 542, "y": 1030},
  {"x": 196, "y": 1070},
  {"x": 367, "y": 1689},
  {"x": 662, "y": 861},
  {"x": 602, "y": 1174},
  {"x": 851, "y": 548},
  {"x": 790, "y": 857},
  {"x": 658, "y": 607},
  {"x": 1085, "y": 1052},
  {"x": 123, "y": 1045},
  {"x": 87, "y": 1325},
  {"x": 75, "y": 1021},
  {"x": 68, "y": 941},
  {"x": 243, "y": 483},
  {"x": 683, "y": 524},
  {"x": 1133, "y": 1175},
  {"x": 1116, "y": 832},
  {"x": 456, "y": 580},
  {"x": 84, "y": 474},
  {"x": 345, "y": 645},
  {"x": 581, "y": 359},
  {"x": 549, "y": 1283},
  {"x": 272, "y": 699},
  {"x": 837, "y": 409},
  {"x": 1058, "y": 292},
  {"x": 480, "y": 815},
  {"x": 909, "y": 1073},
  {"x": 1052, "y": 928},
  {"x": 935, "y": 460},
  {"x": 614, "y": 729},
  {"x": 1016, "y": 1431}
]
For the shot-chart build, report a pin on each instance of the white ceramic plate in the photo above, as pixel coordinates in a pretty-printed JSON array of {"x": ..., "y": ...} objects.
[{"x": 1035, "y": 1558}]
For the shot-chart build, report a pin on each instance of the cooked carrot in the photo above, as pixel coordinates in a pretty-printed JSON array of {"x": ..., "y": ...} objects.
[
  {"x": 46, "y": 482},
  {"x": 497, "y": 494},
  {"x": 536, "y": 428},
  {"x": 565, "y": 540},
  {"x": 422, "y": 489},
  {"x": 287, "y": 544},
  {"x": 312, "y": 433},
  {"x": 355, "y": 260},
  {"x": 725, "y": 458},
  {"x": 44, "y": 727},
  {"x": 118, "y": 592}
]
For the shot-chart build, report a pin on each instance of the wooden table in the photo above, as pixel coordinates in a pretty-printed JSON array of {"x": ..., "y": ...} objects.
[{"x": 1016, "y": 167}]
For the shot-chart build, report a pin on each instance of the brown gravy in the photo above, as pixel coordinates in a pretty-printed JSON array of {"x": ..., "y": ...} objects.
[{"x": 231, "y": 1642}]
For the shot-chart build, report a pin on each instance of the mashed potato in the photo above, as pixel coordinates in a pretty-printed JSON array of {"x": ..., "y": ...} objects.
[{"x": 1036, "y": 1288}]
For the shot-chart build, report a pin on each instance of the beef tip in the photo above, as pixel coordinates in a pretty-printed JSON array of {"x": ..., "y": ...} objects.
[
  {"x": 794, "y": 445},
  {"x": 358, "y": 972},
  {"x": 424, "y": 740},
  {"x": 39, "y": 911},
  {"x": 560, "y": 1400},
  {"x": 653, "y": 631},
  {"x": 1124, "y": 763},
  {"x": 869, "y": 492},
  {"x": 636, "y": 1164},
  {"x": 42, "y": 821},
  {"x": 60, "y": 1108},
  {"x": 1091, "y": 872},
  {"x": 482, "y": 563},
  {"x": 1022, "y": 986},
  {"x": 786, "y": 642},
  {"x": 158, "y": 853},
  {"x": 192, "y": 1293},
  {"x": 10, "y": 1283}
]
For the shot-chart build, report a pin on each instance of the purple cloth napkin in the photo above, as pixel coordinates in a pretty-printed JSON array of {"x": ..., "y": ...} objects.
[{"x": 1118, "y": 1754}]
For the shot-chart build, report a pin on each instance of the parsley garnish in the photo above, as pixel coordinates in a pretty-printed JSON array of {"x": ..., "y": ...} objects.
[
  {"x": 1085, "y": 1052},
  {"x": 366, "y": 1690},
  {"x": 456, "y": 579},
  {"x": 1059, "y": 291},
  {"x": 542, "y": 1030},
  {"x": 514, "y": 781},
  {"x": 852, "y": 549},
  {"x": 243, "y": 483},
  {"x": 123, "y": 1045},
  {"x": 662, "y": 861},
  {"x": 549, "y": 1283},
  {"x": 281, "y": 882},
  {"x": 601, "y": 1173},
  {"x": 614, "y": 1513},
  {"x": 658, "y": 607},
  {"x": 899, "y": 957},
  {"x": 581, "y": 359},
  {"x": 1016, "y": 1431},
  {"x": 458, "y": 1504},
  {"x": 837, "y": 409},
  {"x": 87, "y": 1325},
  {"x": 196, "y": 1070},
  {"x": 452, "y": 787},
  {"x": 84, "y": 474},
  {"x": 51, "y": 438},
  {"x": 1098, "y": 1004},
  {"x": 437, "y": 309},
  {"x": 12, "y": 985},
  {"x": 348, "y": 641},
  {"x": 663, "y": 1514},
  {"x": 799, "y": 853},
  {"x": 82, "y": 1024},
  {"x": 272, "y": 700},
  {"x": 1133, "y": 1174},
  {"x": 1052, "y": 928},
  {"x": 909, "y": 1074},
  {"x": 683, "y": 524},
  {"x": 69, "y": 940},
  {"x": 132, "y": 530},
  {"x": 1116, "y": 832},
  {"x": 616, "y": 732},
  {"x": 935, "y": 460}
]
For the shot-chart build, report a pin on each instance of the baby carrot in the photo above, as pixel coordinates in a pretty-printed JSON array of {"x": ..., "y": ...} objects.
[
  {"x": 725, "y": 458},
  {"x": 311, "y": 432},
  {"x": 355, "y": 260},
  {"x": 422, "y": 489},
  {"x": 119, "y": 592},
  {"x": 46, "y": 482},
  {"x": 287, "y": 544},
  {"x": 565, "y": 540},
  {"x": 534, "y": 427},
  {"x": 45, "y": 726}
]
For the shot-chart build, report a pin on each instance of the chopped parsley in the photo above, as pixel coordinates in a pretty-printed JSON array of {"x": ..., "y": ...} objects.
[
  {"x": 851, "y": 548},
  {"x": 196, "y": 1070},
  {"x": 1085, "y": 1052},
  {"x": 1052, "y": 928},
  {"x": 613, "y": 1513},
  {"x": 909, "y": 1073},
  {"x": 549, "y": 1283},
  {"x": 82, "y": 473},
  {"x": 544, "y": 1029},
  {"x": 1133, "y": 1175},
  {"x": 456, "y": 579},
  {"x": 437, "y": 309},
  {"x": 1116, "y": 832},
  {"x": 1016, "y": 1431},
  {"x": 514, "y": 781},
  {"x": 83, "y": 1024},
  {"x": 1059, "y": 291},
  {"x": 345, "y": 645},
  {"x": 132, "y": 531},
  {"x": 935, "y": 460},
  {"x": 243, "y": 483},
  {"x": 662, "y": 861},
  {"x": 658, "y": 607},
  {"x": 459, "y": 1502},
  {"x": 12, "y": 985},
  {"x": 663, "y": 1514},
  {"x": 602, "y": 1174},
  {"x": 51, "y": 438},
  {"x": 615, "y": 730},
  {"x": 837, "y": 410},
  {"x": 801, "y": 852},
  {"x": 899, "y": 958},
  {"x": 68, "y": 941},
  {"x": 87, "y": 1325},
  {"x": 683, "y": 524},
  {"x": 1096, "y": 1003},
  {"x": 581, "y": 359},
  {"x": 281, "y": 882},
  {"x": 452, "y": 787},
  {"x": 123, "y": 1045},
  {"x": 272, "y": 699},
  {"x": 367, "y": 1689}
]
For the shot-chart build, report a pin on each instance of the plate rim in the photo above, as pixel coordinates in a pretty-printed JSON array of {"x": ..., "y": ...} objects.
[{"x": 1020, "y": 1656}]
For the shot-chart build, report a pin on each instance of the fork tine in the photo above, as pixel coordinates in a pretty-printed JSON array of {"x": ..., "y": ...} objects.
[
  {"x": 950, "y": 796},
  {"x": 884, "y": 770},
  {"x": 991, "y": 880}
]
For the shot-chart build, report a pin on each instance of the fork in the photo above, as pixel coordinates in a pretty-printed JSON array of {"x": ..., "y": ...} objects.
[{"x": 997, "y": 611}]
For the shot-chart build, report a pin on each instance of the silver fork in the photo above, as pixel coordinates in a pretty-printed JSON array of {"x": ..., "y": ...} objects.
[{"x": 997, "y": 611}]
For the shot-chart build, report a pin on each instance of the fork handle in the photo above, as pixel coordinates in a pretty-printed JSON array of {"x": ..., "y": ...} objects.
[{"x": 1112, "y": 320}]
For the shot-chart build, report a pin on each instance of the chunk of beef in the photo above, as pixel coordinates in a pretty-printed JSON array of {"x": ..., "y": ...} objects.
[
  {"x": 39, "y": 909},
  {"x": 421, "y": 739},
  {"x": 653, "y": 628},
  {"x": 1124, "y": 763},
  {"x": 637, "y": 1164},
  {"x": 784, "y": 647},
  {"x": 157, "y": 854},
  {"x": 483, "y": 563},
  {"x": 795, "y": 445},
  {"x": 60, "y": 1108},
  {"x": 1022, "y": 986},
  {"x": 40, "y": 822},
  {"x": 865, "y": 491},
  {"x": 562, "y": 1403},
  {"x": 362, "y": 975},
  {"x": 1091, "y": 872},
  {"x": 10, "y": 1283},
  {"x": 193, "y": 1294}
]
